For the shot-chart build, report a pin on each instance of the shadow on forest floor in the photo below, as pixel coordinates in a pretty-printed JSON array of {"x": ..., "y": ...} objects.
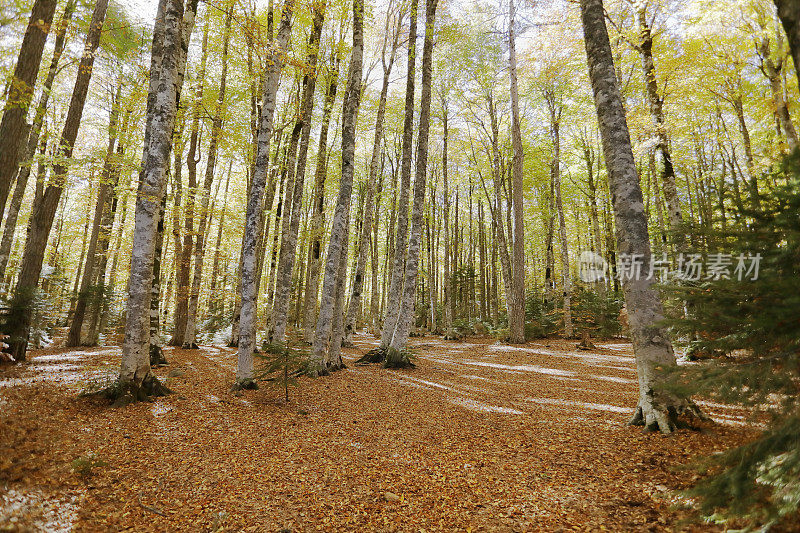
[{"x": 479, "y": 435}]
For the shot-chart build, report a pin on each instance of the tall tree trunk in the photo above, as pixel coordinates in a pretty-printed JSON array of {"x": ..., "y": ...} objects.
[
  {"x": 104, "y": 191},
  {"x": 320, "y": 355},
  {"x": 183, "y": 290},
  {"x": 656, "y": 105},
  {"x": 596, "y": 242},
  {"x": 20, "y": 94},
  {"x": 318, "y": 211},
  {"x": 190, "y": 333},
  {"x": 252, "y": 230},
  {"x": 295, "y": 194},
  {"x": 374, "y": 304},
  {"x": 448, "y": 275},
  {"x": 362, "y": 246},
  {"x": 24, "y": 170},
  {"x": 394, "y": 295},
  {"x": 334, "y": 356},
  {"x": 215, "y": 299},
  {"x": 104, "y": 240},
  {"x": 497, "y": 211},
  {"x": 44, "y": 210},
  {"x": 772, "y": 71},
  {"x": 406, "y": 314},
  {"x": 516, "y": 318},
  {"x": 168, "y": 61},
  {"x": 789, "y": 13},
  {"x": 555, "y": 108},
  {"x": 652, "y": 348}
]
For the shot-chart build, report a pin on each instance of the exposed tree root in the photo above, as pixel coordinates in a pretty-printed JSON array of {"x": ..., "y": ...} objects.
[
  {"x": 244, "y": 384},
  {"x": 190, "y": 346},
  {"x": 398, "y": 359},
  {"x": 122, "y": 393},
  {"x": 453, "y": 335},
  {"x": 666, "y": 418},
  {"x": 376, "y": 355},
  {"x": 336, "y": 367},
  {"x": 157, "y": 356},
  {"x": 586, "y": 342}
]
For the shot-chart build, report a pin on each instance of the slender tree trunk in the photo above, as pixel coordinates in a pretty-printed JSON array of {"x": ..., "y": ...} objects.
[
  {"x": 168, "y": 61},
  {"x": 44, "y": 210},
  {"x": 318, "y": 211},
  {"x": 104, "y": 239},
  {"x": 406, "y": 314},
  {"x": 656, "y": 104},
  {"x": 555, "y": 108},
  {"x": 183, "y": 290},
  {"x": 190, "y": 333},
  {"x": 249, "y": 272},
  {"x": 738, "y": 107},
  {"x": 216, "y": 299},
  {"x": 653, "y": 350},
  {"x": 104, "y": 191},
  {"x": 374, "y": 304},
  {"x": 448, "y": 275},
  {"x": 789, "y": 13},
  {"x": 112, "y": 277},
  {"x": 484, "y": 310},
  {"x": 295, "y": 193},
  {"x": 357, "y": 284},
  {"x": 334, "y": 356},
  {"x": 395, "y": 294},
  {"x": 24, "y": 170},
  {"x": 320, "y": 356},
  {"x": 596, "y": 242},
  {"x": 497, "y": 212},
  {"x": 772, "y": 70},
  {"x": 20, "y": 94},
  {"x": 516, "y": 319}
]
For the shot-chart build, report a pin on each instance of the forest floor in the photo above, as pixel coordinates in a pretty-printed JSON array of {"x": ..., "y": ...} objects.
[{"x": 479, "y": 436}]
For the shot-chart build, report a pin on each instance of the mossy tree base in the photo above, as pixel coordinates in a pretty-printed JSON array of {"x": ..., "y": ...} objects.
[
  {"x": 398, "y": 359},
  {"x": 666, "y": 419},
  {"x": 586, "y": 342},
  {"x": 376, "y": 355},
  {"x": 244, "y": 384},
  {"x": 157, "y": 356},
  {"x": 122, "y": 393}
]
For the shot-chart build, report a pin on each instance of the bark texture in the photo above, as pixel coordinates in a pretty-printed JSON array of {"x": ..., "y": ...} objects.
[
  {"x": 135, "y": 379},
  {"x": 789, "y": 13},
  {"x": 253, "y": 226},
  {"x": 406, "y": 314},
  {"x": 516, "y": 317},
  {"x": 20, "y": 94},
  {"x": 320, "y": 356},
  {"x": 45, "y": 205},
  {"x": 652, "y": 347},
  {"x": 394, "y": 295},
  {"x": 292, "y": 222}
]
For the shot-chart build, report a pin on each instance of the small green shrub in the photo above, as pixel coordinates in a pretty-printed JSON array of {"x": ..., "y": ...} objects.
[{"x": 84, "y": 465}]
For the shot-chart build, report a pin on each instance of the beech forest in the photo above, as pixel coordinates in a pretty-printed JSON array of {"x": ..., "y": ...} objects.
[{"x": 399, "y": 265}]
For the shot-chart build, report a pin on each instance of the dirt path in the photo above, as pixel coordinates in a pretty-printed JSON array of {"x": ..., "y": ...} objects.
[{"x": 479, "y": 435}]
